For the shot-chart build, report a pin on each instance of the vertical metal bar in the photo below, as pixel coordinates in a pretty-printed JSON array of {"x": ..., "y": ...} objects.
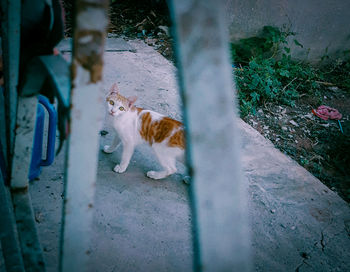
[
  {"x": 10, "y": 44},
  {"x": 221, "y": 237},
  {"x": 19, "y": 135},
  {"x": 86, "y": 119},
  {"x": 24, "y": 134},
  {"x": 9, "y": 241},
  {"x": 23, "y": 210}
]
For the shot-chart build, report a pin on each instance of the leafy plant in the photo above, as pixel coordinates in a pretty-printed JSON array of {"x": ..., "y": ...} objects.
[
  {"x": 266, "y": 43},
  {"x": 268, "y": 73}
]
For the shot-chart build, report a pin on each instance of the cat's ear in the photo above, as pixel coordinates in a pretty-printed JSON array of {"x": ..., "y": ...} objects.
[
  {"x": 132, "y": 100},
  {"x": 114, "y": 89}
]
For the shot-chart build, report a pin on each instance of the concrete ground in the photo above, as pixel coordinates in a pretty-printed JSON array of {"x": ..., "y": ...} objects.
[{"x": 297, "y": 223}]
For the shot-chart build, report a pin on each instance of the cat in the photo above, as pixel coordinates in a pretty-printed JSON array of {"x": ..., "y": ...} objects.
[{"x": 135, "y": 125}]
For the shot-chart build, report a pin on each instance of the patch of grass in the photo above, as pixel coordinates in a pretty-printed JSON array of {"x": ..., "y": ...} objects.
[{"x": 265, "y": 71}]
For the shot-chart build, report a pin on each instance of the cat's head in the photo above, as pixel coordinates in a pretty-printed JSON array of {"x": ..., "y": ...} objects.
[{"x": 118, "y": 104}]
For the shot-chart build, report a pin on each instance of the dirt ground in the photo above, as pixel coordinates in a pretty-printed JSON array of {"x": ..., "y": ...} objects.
[{"x": 321, "y": 147}]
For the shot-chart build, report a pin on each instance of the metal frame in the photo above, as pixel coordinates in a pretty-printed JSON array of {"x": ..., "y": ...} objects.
[
  {"x": 11, "y": 46},
  {"x": 23, "y": 237},
  {"x": 221, "y": 239}
]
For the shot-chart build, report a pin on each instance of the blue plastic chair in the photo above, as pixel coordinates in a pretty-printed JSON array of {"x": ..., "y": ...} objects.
[{"x": 37, "y": 162}]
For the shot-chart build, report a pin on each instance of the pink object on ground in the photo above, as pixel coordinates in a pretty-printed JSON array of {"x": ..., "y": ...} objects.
[{"x": 325, "y": 113}]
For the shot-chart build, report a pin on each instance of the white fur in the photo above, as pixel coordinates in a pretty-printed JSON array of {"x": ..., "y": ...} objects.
[{"x": 127, "y": 125}]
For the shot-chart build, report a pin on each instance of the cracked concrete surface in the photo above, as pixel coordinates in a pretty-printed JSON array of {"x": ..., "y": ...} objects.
[{"x": 297, "y": 223}]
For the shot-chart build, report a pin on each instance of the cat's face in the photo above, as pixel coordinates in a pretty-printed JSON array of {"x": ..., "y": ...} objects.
[
  {"x": 117, "y": 104},
  {"x": 116, "y": 107}
]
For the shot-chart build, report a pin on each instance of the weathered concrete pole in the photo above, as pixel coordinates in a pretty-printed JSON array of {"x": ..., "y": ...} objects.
[
  {"x": 85, "y": 121},
  {"x": 221, "y": 236}
]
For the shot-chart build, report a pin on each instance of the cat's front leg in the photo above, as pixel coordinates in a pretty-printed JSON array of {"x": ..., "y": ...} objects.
[
  {"x": 110, "y": 148},
  {"x": 128, "y": 150}
]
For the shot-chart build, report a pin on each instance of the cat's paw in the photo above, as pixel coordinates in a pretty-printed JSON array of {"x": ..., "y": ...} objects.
[
  {"x": 106, "y": 149},
  {"x": 156, "y": 175},
  {"x": 119, "y": 169},
  {"x": 152, "y": 174}
]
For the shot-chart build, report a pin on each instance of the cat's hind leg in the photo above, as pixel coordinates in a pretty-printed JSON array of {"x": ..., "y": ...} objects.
[
  {"x": 167, "y": 160},
  {"x": 114, "y": 145}
]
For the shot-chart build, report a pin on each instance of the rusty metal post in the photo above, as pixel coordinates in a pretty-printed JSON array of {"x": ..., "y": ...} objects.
[
  {"x": 85, "y": 121},
  {"x": 10, "y": 32},
  {"x": 221, "y": 236},
  {"x": 19, "y": 139},
  {"x": 10, "y": 24}
]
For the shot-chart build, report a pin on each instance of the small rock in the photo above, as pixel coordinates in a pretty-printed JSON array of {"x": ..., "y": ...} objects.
[
  {"x": 254, "y": 123},
  {"x": 284, "y": 128},
  {"x": 293, "y": 123},
  {"x": 103, "y": 132},
  {"x": 165, "y": 29},
  {"x": 334, "y": 88},
  {"x": 186, "y": 179},
  {"x": 265, "y": 127},
  {"x": 325, "y": 125},
  {"x": 38, "y": 217},
  {"x": 150, "y": 41},
  {"x": 273, "y": 211},
  {"x": 292, "y": 228}
]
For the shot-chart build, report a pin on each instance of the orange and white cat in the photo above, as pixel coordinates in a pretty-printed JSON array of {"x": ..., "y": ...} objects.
[{"x": 135, "y": 126}]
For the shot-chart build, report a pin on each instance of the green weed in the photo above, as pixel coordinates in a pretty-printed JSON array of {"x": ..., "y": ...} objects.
[{"x": 265, "y": 71}]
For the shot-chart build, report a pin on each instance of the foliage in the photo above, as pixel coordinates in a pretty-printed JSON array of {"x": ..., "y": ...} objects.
[
  {"x": 339, "y": 73},
  {"x": 268, "y": 73},
  {"x": 263, "y": 45}
]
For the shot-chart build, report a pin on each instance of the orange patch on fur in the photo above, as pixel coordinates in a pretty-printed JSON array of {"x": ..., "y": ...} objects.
[
  {"x": 146, "y": 130},
  {"x": 163, "y": 128},
  {"x": 177, "y": 140},
  {"x": 160, "y": 130}
]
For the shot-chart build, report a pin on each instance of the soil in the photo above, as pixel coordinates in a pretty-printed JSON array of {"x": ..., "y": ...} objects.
[
  {"x": 147, "y": 20},
  {"x": 319, "y": 146},
  {"x": 322, "y": 147}
]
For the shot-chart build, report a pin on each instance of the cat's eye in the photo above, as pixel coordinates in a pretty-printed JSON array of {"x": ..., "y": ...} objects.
[
  {"x": 111, "y": 102},
  {"x": 121, "y": 108}
]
